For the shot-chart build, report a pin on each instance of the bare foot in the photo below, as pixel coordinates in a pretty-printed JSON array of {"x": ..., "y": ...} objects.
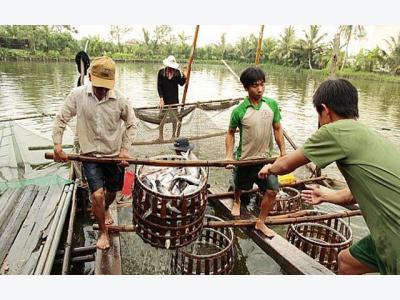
[
  {"x": 108, "y": 220},
  {"x": 103, "y": 242},
  {"x": 235, "y": 211},
  {"x": 264, "y": 229}
]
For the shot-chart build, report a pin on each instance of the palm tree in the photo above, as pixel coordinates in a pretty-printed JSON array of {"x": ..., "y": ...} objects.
[
  {"x": 312, "y": 43},
  {"x": 286, "y": 47},
  {"x": 394, "y": 54},
  {"x": 349, "y": 31}
]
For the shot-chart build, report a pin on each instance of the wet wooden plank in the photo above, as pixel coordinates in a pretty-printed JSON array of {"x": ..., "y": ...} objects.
[
  {"x": 7, "y": 207},
  {"x": 291, "y": 259},
  {"x": 25, "y": 251},
  {"x": 16, "y": 220},
  {"x": 108, "y": 262}
]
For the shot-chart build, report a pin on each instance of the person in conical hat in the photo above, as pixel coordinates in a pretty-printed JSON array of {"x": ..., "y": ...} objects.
[{"x": 169, "y": 79}]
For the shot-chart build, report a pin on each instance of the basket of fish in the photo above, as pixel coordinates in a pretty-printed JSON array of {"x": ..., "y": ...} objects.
[
  {"x": 169, "y": 203},
  {"x": 213, "y": 253},
  {"x": 288, "y": 200},
  {"x": 322, "y": 240}
]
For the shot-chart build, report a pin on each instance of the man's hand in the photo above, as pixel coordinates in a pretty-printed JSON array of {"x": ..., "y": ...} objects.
[
  {"x": 161, "y": 104},
  {"x": 59, "y": 154},
  {"x": 229, "y": 166},
  {"x": 264, "y": 172},
  {"x": 313, "y": 195},
  {"x": 124, "y": 154}
]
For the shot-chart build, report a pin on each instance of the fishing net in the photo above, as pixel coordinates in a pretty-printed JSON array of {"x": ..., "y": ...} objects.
[{"x": 194, "y": 121}]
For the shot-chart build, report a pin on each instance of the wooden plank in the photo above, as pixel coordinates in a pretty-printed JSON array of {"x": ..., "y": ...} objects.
[
  {"x": 7, "y": 209},
  {"x": 26, "y": 250},
  {"x": 108, "y": 262},
  {"x": 18, "y": 217},
  {"x": 28, "y": 238},
  {"x": 291, "y": 259}
]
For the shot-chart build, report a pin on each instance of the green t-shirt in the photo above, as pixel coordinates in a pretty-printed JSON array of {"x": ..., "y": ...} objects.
[
  {"x": 371, "y": 166},
  {"x": 255, "y": 127}
]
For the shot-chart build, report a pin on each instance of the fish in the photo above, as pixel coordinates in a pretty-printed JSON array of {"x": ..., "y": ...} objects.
[
  {"x": 160, "y": 188},
  {"x": 189, "y": 189},
  {"x": 282, "y": 195},
  {"x": 173, "y": 209},
  {"x": 189, "y": 179},
  {"x": 167, "y": 241}
]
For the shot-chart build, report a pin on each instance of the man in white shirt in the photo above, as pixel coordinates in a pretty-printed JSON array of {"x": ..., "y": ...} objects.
[{"x": 106, "y": 126}]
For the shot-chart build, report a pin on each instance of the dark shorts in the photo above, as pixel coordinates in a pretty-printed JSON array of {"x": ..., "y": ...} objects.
[
  {"x": 365, "y": 252},
  {"x": 245, "y": 177},
  {"x": 108, "y": 176}
]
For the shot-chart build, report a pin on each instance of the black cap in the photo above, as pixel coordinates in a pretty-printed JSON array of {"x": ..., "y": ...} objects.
[{"x": 182, "y": 144}]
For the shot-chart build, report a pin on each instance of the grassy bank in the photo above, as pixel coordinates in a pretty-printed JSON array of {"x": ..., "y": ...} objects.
[{"x": 55, "y": 56}]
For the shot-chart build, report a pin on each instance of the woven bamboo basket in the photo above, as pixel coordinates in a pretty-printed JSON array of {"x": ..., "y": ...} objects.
[
  {"x": 213, "y": 253},
  {"x": 164, "y": 228},
  {"x": 321, "y": 240},
  {"x": 285, "y": 205}
]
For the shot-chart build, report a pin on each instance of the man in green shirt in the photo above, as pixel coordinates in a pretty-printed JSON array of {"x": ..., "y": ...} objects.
[
  {"x": 257, "y": 117},
  {"x": 371, "y": 166}
]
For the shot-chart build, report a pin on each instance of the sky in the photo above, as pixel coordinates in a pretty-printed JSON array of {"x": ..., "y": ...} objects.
[{"x": 376, "y": 34}]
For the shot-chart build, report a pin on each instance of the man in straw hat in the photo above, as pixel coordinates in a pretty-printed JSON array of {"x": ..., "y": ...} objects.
[
  {"x": 168, "y": 79},
  {"x": 101, "y": 113},
  {"x": 371, "y": 166}
]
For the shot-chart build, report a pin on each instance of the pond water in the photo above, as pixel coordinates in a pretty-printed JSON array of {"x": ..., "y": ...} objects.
[{"x": 30, "y": 88}]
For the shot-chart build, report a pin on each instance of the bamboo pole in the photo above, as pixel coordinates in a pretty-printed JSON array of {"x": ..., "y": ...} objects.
[
  {"x": 60, "y": 225},
  {"x": 67, "y": 247},
  {"x": 292, "y": 218},
  {"x": 27, "y": 117},
  {"x": 259, "y": 45},
  {"x": 196, "y": 33},
  {"x": 298, "y": 182},
  {"x": 193, "y": 103},
  {"x": 229, "y": 68},
  {"x": 166, "y": 163}
]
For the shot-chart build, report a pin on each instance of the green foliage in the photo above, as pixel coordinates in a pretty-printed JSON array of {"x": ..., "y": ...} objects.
[{"x": 310, "y": 51}]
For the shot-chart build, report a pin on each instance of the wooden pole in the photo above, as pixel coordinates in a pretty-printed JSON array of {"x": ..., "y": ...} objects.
[
  {"x": 298, "y": 182},
  {"x": 292, "y": 218},
  {"x": 166, "y": 163},
  {"x": 68, "y": 243},
  {"x": 230, "y": 69},
  {"x": 196, "y": 33},
  {"x": 259, "y": 45}
]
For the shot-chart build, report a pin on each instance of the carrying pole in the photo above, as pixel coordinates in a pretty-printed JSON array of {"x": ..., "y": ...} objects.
[{"x": 189, "y": 70}]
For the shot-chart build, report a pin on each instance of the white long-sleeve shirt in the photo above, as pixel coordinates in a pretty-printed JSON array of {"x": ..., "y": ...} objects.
[{"x": 100, "y": 124}]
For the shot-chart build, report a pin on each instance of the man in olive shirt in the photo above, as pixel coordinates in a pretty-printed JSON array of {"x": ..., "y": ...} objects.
[
  {"x": 371, "y": 166},
  {"x": 101, "y": 113}
]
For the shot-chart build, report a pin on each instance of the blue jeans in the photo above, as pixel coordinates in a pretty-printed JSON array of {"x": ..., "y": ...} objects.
[{"x": 108, "y": 176}]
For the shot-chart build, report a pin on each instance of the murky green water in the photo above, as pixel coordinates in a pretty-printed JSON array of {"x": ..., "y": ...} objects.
[{"x": 41, "y": 88}]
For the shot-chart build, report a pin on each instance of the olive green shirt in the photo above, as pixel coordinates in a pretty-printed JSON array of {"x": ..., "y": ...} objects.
[
  {"x": 371, "y": 166},
  {"x": 100, "y": 124}
]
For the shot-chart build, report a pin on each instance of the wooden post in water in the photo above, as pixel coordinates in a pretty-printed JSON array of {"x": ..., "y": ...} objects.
[
  {"x": 335, "y": 53},
  {"x": 189, "y": 70},
  {"x": 259, "y": 45}
]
